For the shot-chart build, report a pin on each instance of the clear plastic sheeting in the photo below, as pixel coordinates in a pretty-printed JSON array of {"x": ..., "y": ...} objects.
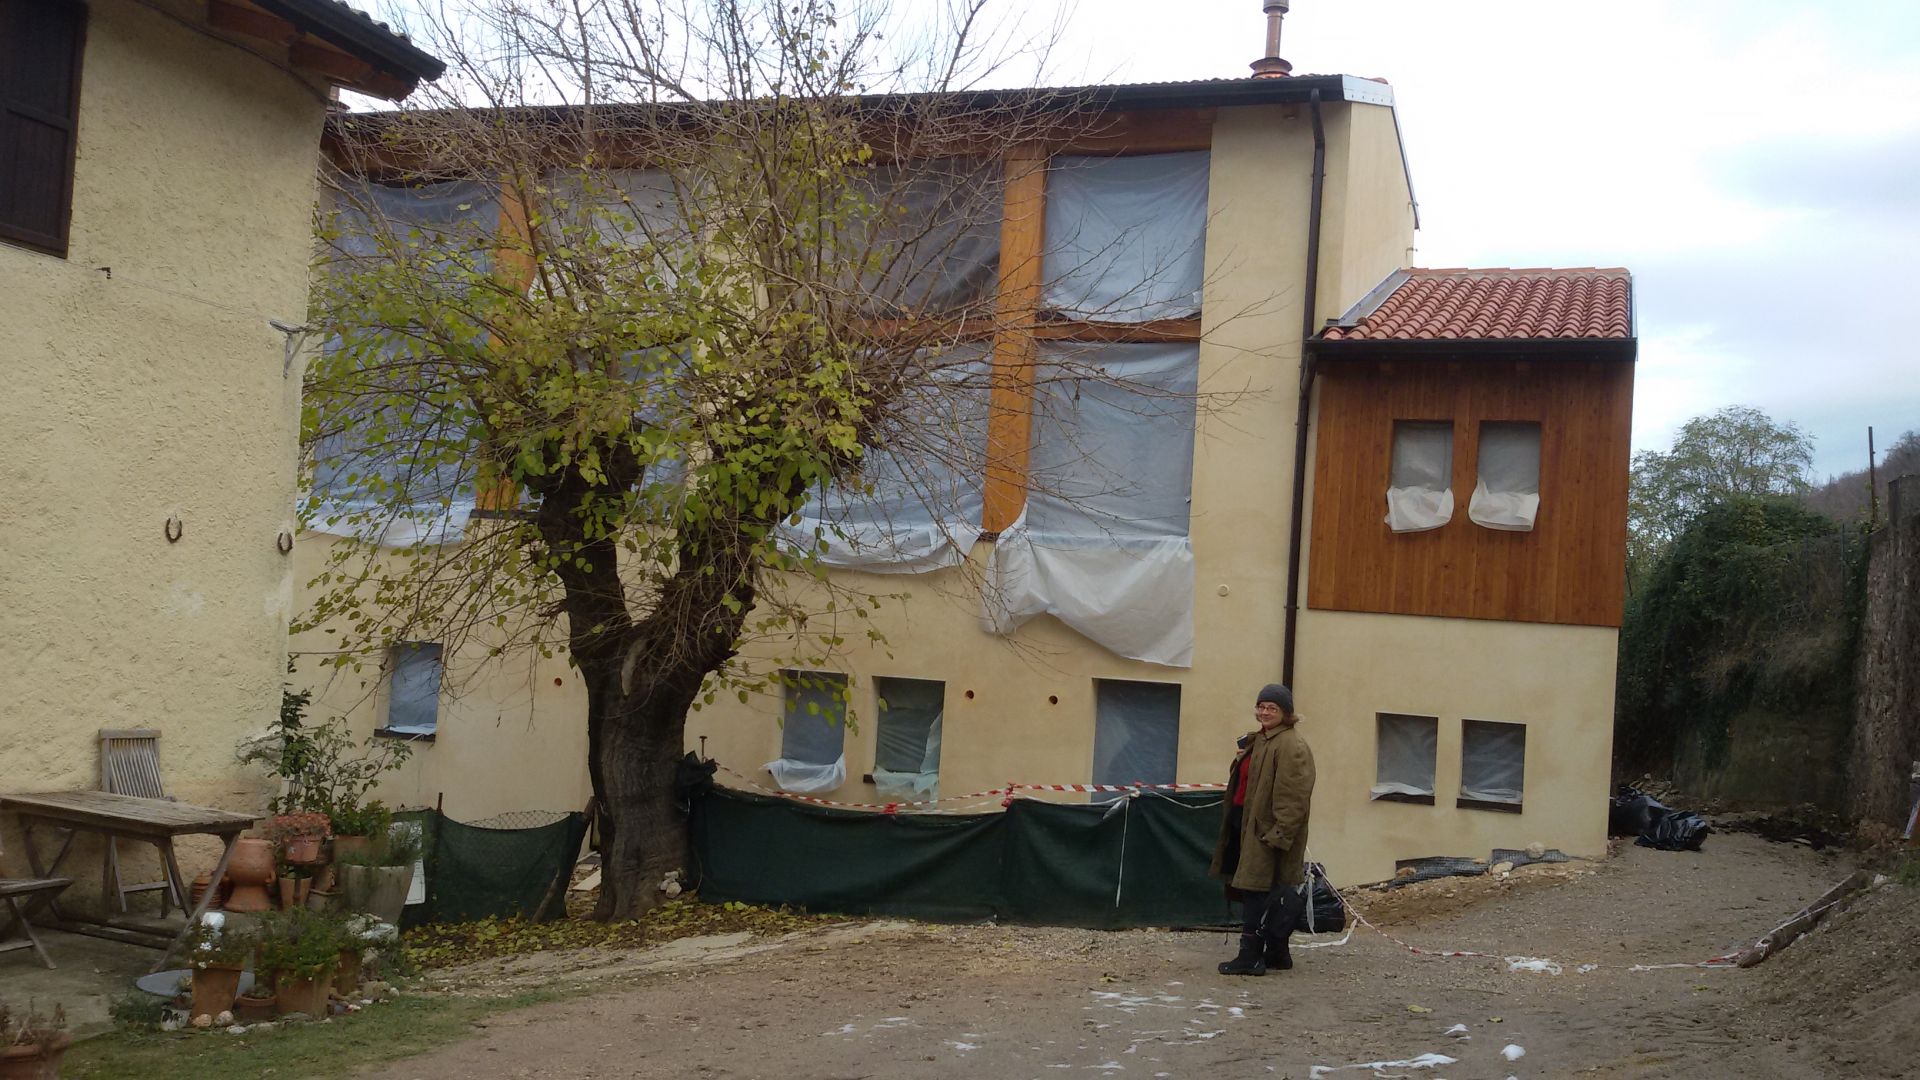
[
  {"x": 1102, "y": 544},
  {"x": 1136, "y": 735},
  {"x": 929, "y": 243},
  {"x": 907, "y": 738},
  {"x": 1419, "y": 489},
  {"x": 374, "y": 478},
  {"x": 1507, "y": 495},
  {"x": 1493, "y": 761},
  {"x": 915, "y": 504},
  {"x": 413, "y": 688},
  {"x": 633, "y": 211},
  {"x": 1404, "y": 760},
  {"x": 1126, "y": 236},
  {"x": 813, "y": 730}
]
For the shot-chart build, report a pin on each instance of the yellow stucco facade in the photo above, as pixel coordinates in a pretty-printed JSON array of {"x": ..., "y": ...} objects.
[
  {"x": 1022, "y": 708},
  {"x": 156, "y": 391}
]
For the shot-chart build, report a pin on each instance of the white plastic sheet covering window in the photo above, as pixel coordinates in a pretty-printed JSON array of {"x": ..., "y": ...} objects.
[
  {"x": 1102, "y": 544},
  {"x": 1507, "y": 495},
  {"x": 1136, "y": 735},
  {"x": 413, "y": 688},
  {"x": 930, "y": 241},
  {"x": 1493, "y": 761},
  {"x": 414, "y": 501},
  {"x": 906, "y": 760},
  {"x": 633, "y": 210},
  {"x": 1404, "y": 761},
  {"x": 1126, "y": 236},
  {"x": 813, "y": 728},
  {"x": 915, "y": 504},
  {"x": 1419, "y": 489}
]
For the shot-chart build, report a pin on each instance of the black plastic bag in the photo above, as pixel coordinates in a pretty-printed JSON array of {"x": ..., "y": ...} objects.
[
  {"x": 1629, "y": 813},
  {"x": 1676, "y": 830},
  {"x": 1323, "y": 904}
]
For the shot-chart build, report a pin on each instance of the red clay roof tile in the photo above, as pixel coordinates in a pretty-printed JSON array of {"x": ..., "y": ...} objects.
[{"x": 1485, "y": 304}]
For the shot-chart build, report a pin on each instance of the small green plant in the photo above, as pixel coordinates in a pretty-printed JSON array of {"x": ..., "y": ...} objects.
[
  {"x": 369, "y": 819},
  {"x": 320, "y": 767},
  {"x": 138, "y": 1011},
  {"x": 32, "y": 1027},
  {"x": 301, "y": 943},
  {"x": 1907, "y": 872},
  {"x": 400, "y": 845}
]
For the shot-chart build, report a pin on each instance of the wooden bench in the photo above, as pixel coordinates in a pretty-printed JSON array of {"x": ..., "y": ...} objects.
[{"x": 35, "y": 891}]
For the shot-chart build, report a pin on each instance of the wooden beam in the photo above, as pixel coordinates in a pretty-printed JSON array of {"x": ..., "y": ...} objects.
[
  {"x": 1159, "y": 330},
  {"x": 329, "y": 63},
  {"x": 1010, "y": 420},
  {"x": 251, "y": 22}
]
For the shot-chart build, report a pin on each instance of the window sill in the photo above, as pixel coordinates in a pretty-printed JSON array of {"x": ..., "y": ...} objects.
[
  {"x": 1485, "y": 804},
  {"x": 404, "y": 736},
  {"x": 1401, "y": 796}
]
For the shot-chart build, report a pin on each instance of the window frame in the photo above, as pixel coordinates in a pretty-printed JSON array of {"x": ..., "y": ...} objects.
[{"x": 57, "y": 243}]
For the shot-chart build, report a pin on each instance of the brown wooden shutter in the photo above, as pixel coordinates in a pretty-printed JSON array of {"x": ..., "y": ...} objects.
[{"x": 40, "y": 42}]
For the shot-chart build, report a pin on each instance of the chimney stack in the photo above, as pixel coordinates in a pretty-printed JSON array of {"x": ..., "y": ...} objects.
[{"x": 1271, "y": 66}]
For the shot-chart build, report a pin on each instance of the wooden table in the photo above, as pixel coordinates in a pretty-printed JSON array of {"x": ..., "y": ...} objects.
[{"x": 153, "y": 821}]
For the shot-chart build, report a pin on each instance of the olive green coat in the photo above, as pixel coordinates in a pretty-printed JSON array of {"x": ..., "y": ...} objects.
[{"x": 1273, "y": 832}]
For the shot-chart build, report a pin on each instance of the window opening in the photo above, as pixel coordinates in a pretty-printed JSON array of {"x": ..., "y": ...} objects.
[
  {"x": 1507, "y": 494},
  {"x": 1404, "y": 759},
  {"x": 906, "y": 760},
  {"x": 1136, "y": 735},
  {"x": 1493, "y": 764},
  {"x": 1419, "y": 487}
]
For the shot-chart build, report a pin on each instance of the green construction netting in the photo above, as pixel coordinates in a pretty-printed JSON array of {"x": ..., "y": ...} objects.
[
  {"x": 1137, "y": 862},
  {"x": 476, "y": 872}
]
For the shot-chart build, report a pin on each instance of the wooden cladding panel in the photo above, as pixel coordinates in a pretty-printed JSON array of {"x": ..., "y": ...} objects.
[{"x": 1570, "y": 569}]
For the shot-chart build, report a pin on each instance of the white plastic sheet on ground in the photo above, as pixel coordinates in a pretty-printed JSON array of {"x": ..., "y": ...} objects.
[
  {"x": 813, "y": 732},
  {"x": 1419, "y": 491},
  {"x": 1136, "y": 734},
  {"x": 1493, "y": 761},
  {"x": 1507, "y": 494},
  {"x": 1405, "y": 758},
  {"x": 1102, "y": 543},
  {"x": 384, "y": 492},
  {"x": 907, "y": 738},
  {"x": 915, "y": 505},
  {"x": 1126, "y": 236}
]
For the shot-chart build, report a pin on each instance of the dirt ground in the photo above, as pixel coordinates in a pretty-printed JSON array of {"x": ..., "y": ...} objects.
[{"x": 916, "y": 1001}]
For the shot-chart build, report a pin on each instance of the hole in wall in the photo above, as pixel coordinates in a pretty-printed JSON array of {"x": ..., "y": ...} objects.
[
  {"x": 1053, "y": 699},
  {"x": 969, "y": 695},
  {"x": 557, "y": 680}
]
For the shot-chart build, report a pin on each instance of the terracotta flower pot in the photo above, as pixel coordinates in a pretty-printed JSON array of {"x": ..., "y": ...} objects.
[
  {"x": 346, "y": 976},
  {"x": 303, "y": 849},
  {"x": 304, "y": 995},
  {"x": 293, "y": 892},
  {"x": 33, "y": 1062},
  {"x": 252, "y": 1010},
  {"x": 214, "y": 987},
  {"x": 251, "y": 870}
]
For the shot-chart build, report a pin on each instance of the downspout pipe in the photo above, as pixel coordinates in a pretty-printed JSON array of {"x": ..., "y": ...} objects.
[{"x": 1309, "y": 303}]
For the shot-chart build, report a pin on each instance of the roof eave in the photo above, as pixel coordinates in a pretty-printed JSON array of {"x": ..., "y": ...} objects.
[
  {"x": 359, "y": 36},
  {"x": 1626, "y": 348}
]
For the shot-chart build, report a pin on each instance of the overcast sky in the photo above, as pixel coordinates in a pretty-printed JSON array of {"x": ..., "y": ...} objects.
[{"x": 1756, "y": 164}]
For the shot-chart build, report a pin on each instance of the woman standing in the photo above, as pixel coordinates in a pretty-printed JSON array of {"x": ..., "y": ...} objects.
[{"x": 1262, "y": 853}]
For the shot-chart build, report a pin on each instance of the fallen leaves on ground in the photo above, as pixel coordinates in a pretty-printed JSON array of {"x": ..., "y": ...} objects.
[{"x": 448, "y": 944}]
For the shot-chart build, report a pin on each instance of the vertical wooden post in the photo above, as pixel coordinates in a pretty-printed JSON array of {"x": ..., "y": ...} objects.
[{"x": 1010, "y": 421}]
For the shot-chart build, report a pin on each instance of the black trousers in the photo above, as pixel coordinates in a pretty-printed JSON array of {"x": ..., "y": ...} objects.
[{"x": 1269, "y": 915}]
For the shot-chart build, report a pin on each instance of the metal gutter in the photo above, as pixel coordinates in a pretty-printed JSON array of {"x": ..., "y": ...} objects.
[
  {"x": 1309, "y": 302},
  {"x": 1473, "y": 349}
]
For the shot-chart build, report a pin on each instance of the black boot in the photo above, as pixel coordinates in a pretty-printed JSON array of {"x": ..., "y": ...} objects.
[
  {"x": 1278, "y": 956},
  {"x": 1249, "y": 962}
]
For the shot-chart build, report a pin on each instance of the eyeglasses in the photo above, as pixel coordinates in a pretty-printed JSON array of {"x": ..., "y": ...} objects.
[{"x": 1266, "y": 706}]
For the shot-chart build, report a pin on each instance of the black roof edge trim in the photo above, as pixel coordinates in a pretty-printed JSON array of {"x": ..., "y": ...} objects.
[
  {"x": 1475, "y": 348},
  {"x": 358, "y": 34}
]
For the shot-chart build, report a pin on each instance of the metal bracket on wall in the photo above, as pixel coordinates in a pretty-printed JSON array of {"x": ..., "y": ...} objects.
[{"x": 175, "y": 529}]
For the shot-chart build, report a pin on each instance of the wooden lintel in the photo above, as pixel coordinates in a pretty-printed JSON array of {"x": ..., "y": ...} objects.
[{"x": 1156, "y": 331}]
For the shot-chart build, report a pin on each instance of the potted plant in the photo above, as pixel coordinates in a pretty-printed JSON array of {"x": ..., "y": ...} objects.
[
  {"x": 297, "y": 835},
  {"x": 295, "y": 882},
  {"x": 375, "y": 882},
  {"x": 354, "y": 827},
  {"x": 300, "y": 949},
  {"x": 257, "y": 1003},
  {"x": 365, "y": 934},
  {"x": 217, "y": 951},
  {"x": 32, "y": 1043}
]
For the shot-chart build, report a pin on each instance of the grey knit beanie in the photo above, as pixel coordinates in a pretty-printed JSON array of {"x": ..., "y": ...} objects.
[{"x": 1277, "y": 694}]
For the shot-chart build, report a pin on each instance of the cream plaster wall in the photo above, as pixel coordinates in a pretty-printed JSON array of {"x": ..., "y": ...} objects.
[
  {"x": 1557, "y": 680},
  {"x": 157, "y": 391}
]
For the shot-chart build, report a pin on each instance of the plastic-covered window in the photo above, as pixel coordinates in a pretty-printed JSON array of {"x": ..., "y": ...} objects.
[
  {"x": 413, "y": 692},
  {"x": 906, "y": 761},
  {"x": 1419, "y": 486},
  {"x": 1407, "y": 747},
  {"x": 813, "y": 729},
  {"x": 1126, "y": 237},
  {"x": 1507, "y": 495},
  {"x": 1102, "y": 544},
  {"x": 1136, "y": 737},
  {"x": 929, "y": 242},
  {"x": 1493, "y": 761}
]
